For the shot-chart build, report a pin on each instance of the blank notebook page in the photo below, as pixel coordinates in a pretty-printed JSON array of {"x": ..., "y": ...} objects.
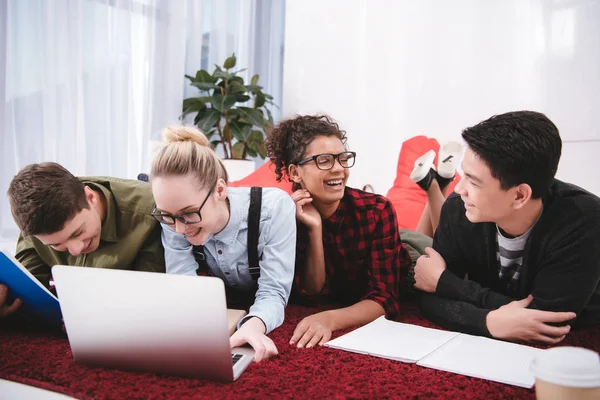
[
  {"x": 392, "y": 340},
  {"x": 485, "y": 358}
]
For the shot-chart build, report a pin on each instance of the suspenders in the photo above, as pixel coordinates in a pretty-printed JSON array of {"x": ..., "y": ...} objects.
[{"x": 253, "y": 225}]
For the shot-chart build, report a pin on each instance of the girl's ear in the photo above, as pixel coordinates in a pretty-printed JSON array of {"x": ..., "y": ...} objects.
[
  {"x": 221, "y": 189},
  {"x": 294, "y": 174}
]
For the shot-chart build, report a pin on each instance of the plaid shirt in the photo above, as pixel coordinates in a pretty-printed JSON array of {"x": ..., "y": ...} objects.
[{"x": 364, "y": 255}]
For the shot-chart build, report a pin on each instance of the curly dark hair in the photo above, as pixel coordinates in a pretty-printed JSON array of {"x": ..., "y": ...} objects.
[{"x": 288, "y": 141}]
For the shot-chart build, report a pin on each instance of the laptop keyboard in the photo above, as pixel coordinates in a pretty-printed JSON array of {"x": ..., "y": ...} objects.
[{"x": 235, "y": 358}]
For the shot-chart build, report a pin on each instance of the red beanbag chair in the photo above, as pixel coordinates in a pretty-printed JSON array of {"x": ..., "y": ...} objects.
[
  {"x": 407, "y": 197},
  {"x": 263, "y": 177}
]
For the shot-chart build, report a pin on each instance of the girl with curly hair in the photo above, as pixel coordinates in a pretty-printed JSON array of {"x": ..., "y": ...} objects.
[{"x": 348, "y": 245}]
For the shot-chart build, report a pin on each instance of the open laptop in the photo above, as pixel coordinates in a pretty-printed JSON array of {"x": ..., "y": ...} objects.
[{"x": 146, "y": 321}]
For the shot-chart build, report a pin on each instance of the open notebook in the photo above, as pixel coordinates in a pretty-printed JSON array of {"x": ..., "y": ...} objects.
[{"x": 455, "y": 352}]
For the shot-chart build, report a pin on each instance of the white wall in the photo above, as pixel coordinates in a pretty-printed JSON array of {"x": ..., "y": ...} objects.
[{"x": 389, "y": 70}]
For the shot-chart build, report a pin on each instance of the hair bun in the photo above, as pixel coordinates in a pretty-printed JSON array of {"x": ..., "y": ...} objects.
[{"x": 174, "y": 134}]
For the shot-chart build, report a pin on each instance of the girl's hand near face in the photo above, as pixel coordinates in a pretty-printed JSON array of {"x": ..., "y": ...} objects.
[{"x": 305, "y": 211}]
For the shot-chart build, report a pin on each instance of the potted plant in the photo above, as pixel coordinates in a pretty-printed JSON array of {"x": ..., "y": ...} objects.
[{"x": 231, "y": 114}]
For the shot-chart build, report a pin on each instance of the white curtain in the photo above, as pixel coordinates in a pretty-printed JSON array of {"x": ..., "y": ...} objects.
[{"x": 88, "y": 83}]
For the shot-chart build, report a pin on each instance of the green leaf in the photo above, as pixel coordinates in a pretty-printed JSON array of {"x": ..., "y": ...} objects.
[
  {"x": 257, "y": 143},
  {"x": 204, "y": 76},
  {"x": 238, "y": 150},
  {"x": 222, "y": 103},
  {"x": 273, "y": 104},
  {"x": 193, "y": 104},
  {"x": 237, "y": 79},
  {"x": 236, "y": 87},
  {"x": 198, "y": 117},
  {"x": 210, "y": 118},
  {"x": 257, "y": 137},
  {"x": 240, "y": 131},
  {"x": 268, "y": 96},
  {"x": 205, "y": 86},
  {"x": 242, "y": 98},
  {"x": 221, "y": 74},
  {"x": 267, "y": 125},
  {"x": 253, "y": 87},
  {"x": 254, "y": 80},
  {"x": 259, "y": 100},
  {"x": 270, "y": 116},
  {"x": 262, "y": 152},
  {"x": 230, "y": 62},
  {"x": 210, "y": 133},
  {"x": 215, "y": 143},
  {"x": 191, "y": 78},
  {"x": 251, "y": 151},
  {"x": 253, "y": 116}
]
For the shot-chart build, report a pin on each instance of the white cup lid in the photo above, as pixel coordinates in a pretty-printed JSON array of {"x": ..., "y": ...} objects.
[{"x": 568, "y": 366}]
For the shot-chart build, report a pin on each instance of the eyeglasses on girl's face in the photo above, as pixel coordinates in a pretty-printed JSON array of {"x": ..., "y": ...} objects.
[
  {"x": 327, "y": 161},
  {"x": 188, "y": 218}
]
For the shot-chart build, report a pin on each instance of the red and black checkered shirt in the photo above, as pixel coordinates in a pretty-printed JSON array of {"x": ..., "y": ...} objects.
[{"x": 364, "y": 255}]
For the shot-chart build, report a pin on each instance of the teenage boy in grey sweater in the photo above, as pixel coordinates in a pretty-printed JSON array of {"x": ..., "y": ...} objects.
[{"x": 516, "y": 255}]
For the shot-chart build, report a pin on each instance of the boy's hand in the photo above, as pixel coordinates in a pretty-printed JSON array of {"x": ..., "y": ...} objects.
[
  {"x": 428, "y": 270},
  {"x": 6, "y": 310},
  {"x": 515, "y": 322}
]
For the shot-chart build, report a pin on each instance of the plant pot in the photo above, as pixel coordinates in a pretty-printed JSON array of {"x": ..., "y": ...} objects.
[{"x": 238, "y": 169}]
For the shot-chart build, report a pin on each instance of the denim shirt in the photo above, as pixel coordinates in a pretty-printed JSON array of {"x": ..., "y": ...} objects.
[{"x": 227, "y": 252}]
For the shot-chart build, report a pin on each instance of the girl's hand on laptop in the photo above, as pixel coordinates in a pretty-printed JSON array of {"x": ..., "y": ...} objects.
[
  {"x": 253, "y": 333},
  {"x": 5, "y": 309}
]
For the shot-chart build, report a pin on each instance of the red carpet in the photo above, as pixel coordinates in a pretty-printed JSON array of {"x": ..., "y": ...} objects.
[{"x": 44, "y": 360}]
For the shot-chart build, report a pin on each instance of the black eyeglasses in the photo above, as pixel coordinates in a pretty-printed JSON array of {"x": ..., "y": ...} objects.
[
  {"x": 188, "y": 218},
  {"x": 327, "y": 161}
]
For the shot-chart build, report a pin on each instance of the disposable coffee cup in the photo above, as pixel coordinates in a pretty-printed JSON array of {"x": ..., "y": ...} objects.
[{"x": 567, "y": 373}]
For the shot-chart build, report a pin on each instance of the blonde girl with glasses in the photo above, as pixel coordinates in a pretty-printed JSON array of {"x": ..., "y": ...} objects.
[{"x": 197, "y": 208}]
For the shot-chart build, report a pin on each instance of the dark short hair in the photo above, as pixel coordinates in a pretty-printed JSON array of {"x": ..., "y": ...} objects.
[
  {"x": 288, "y": 141},
  {"x": 43, "y": 197},
  {"x": 518, "y": 147}
]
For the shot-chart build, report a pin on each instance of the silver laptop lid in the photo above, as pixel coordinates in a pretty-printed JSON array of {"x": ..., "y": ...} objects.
[{"x": 146, "y": 321}]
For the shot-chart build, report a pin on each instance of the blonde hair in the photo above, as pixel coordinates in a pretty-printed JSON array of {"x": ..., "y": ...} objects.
[{"x": 186, "y": 150}]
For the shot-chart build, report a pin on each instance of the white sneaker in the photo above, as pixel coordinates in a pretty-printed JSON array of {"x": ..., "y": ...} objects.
[
  {"x": 423, "y": 172},
  {"x": 449, "y": 157}
]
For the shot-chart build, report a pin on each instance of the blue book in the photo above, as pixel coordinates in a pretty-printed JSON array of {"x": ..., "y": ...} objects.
[{"x": 38, "y": 302}]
